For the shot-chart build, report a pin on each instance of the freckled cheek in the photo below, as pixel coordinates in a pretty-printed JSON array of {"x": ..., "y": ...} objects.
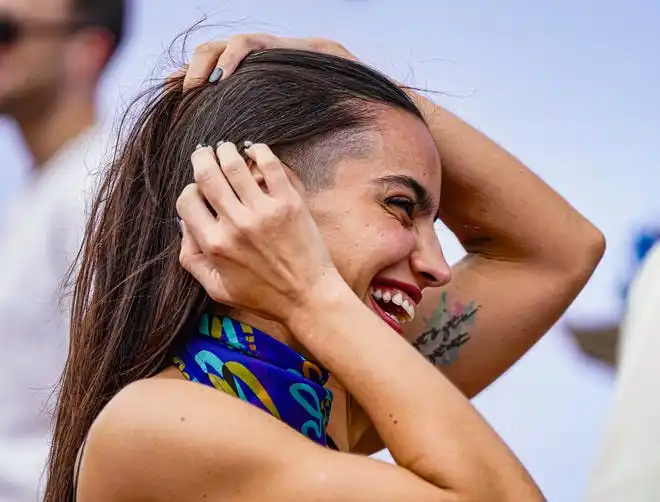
[
  {"x": 391, "y": 247},
  {"x": 361, "y": 251}
]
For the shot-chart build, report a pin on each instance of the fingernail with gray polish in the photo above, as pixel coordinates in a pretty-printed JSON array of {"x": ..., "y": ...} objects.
[
  {"x": 179, "y": 223},
  {"x": 247, "y": 144},
  {"x": 200, "y": 145},
  {"x": 216, "y": 75}
]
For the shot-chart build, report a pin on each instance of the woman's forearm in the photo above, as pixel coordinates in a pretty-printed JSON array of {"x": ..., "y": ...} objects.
[
  {"x": 427, "y": 424},
  {"x": 497, "y": 206}
]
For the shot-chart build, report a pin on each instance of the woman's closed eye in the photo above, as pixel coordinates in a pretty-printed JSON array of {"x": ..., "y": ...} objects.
[{"x": 404, "y": 204}]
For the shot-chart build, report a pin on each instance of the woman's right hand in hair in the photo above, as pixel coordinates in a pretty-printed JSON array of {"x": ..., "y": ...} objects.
[
  {"x": 216, "y": 60},
  {"x": 261, "y": 250}
]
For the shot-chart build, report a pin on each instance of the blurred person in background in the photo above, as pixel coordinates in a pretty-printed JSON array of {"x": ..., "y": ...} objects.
[
  {"x": 628, "y": 465},
  {"x": 52, "y": 56}
]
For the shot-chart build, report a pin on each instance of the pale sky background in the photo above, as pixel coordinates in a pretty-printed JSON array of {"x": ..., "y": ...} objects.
[{"x": 570, "y": 87}]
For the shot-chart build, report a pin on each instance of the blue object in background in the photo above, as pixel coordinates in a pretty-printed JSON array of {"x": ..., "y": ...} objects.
[{"x": 643, "y": 242}]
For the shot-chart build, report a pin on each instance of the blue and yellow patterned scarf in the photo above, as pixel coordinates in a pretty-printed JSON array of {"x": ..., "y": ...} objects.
[{"x": 249, "y": 364}]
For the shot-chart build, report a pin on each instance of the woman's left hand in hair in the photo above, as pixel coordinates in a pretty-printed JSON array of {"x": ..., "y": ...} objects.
[
  {"x": 261, "y": 250},
  {"x": 213, "y": 61}
]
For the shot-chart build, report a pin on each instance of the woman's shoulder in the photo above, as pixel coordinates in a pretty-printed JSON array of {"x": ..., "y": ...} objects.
[
  {"x": 157, "y": 436},
  {"x": 147, "y": 407}
]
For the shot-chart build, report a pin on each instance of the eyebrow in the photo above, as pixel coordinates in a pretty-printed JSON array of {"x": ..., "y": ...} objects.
[{"x": 425, "y": 201}]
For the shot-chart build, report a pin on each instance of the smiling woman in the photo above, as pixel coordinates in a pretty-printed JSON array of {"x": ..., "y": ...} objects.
[{"x": 311, "y": 247}]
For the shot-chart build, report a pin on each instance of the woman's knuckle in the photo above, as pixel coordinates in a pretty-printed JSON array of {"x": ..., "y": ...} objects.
[
  {"x": 206, "y": 48},
  {"x": 233, "y": 166},
  {"x": 249, "y": 225},
  {"x": 202, "y": 173},
  {"x": 279, "y": 213},
  {"x": 215, "y": 244},
  {"x": 264, "y": 39},
  {"x": 318, "y": 42},
  {"x": 270, "y": 162},
  {"x": 323, "y": 44},
  {"x": 242, "y": 40}
]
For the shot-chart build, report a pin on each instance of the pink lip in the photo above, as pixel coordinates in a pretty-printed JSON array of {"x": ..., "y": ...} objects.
[
  {"x": 413, "y": 292},
  {"x": 381, "y": 313}
]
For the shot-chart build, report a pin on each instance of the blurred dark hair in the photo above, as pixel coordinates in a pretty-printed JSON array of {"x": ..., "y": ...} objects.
[
  {"x": 107, "y": 14},
  {"x": 132, "y": 300}
]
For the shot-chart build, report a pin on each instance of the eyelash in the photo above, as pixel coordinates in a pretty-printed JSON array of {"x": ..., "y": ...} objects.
[{"x": 403, "y": 203}]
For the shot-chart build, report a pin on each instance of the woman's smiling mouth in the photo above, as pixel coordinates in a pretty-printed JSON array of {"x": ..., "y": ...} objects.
[{"x": 394, "y": 301}]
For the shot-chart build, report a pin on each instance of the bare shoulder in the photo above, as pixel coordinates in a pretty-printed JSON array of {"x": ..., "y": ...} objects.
[
  {"x": 168, "y": 439},
  {"x": 157, "y": 437}
]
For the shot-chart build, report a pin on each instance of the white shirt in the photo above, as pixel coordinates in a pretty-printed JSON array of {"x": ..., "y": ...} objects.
[
  {"x": 628, "y": 465},
  {"x": 39, "y": 239}
]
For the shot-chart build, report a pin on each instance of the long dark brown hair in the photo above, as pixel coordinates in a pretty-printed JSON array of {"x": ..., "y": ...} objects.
[{"x": 132, "y": 300}]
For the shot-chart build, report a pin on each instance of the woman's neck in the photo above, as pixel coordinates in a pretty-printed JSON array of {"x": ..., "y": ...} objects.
[{"x": 272, "y": 328}]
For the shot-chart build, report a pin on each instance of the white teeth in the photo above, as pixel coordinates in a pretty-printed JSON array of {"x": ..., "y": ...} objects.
[
  {"x": 409, "y": 308},
  {"x": 398, "y": 298},
  {"x": 411, "y": 312}
]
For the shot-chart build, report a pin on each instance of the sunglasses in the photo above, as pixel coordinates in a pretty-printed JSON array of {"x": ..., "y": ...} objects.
[{"x": 12, "y": 30}]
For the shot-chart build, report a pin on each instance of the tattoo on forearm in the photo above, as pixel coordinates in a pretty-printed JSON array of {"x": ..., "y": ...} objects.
[{"x": 447, "y": 330}]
